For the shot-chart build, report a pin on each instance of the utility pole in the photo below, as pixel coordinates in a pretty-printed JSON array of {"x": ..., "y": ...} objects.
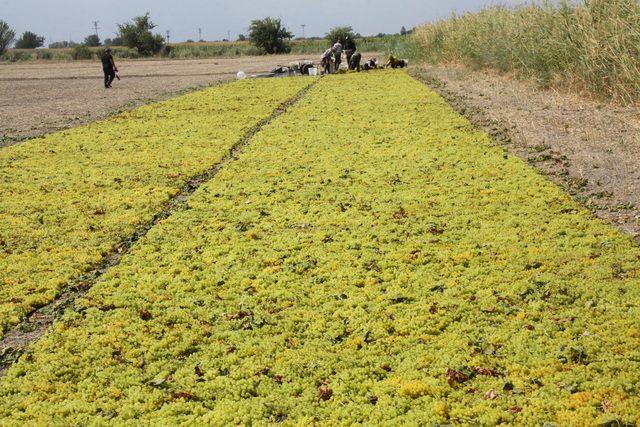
[
  {"x": 95, "y": 26},
  {"x": 199, "y": 34},
  {"x": 229, "y": 35},
  {"x": 168, "y": 36},
  {"x": 303, "y": 27}
]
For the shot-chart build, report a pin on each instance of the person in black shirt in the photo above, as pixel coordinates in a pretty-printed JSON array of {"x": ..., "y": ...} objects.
[
  {"x": 354, "y": 64},
  {"x": 109, "y": 68},
  {"x": 349, "y": 48}
]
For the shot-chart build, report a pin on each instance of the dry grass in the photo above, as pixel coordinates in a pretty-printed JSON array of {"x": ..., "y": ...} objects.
[{"x": 591, "y": 47}]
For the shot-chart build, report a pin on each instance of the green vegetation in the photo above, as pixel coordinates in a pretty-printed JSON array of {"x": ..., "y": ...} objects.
[
  {"x": 62, "y": 45},
  {"x": 137, "y": 35},
  {"x": 81, "y": 52},
  {"x": 92, "y": 40},
  {"x": 340, "y": 33},
  {"x": 402, "y": 46},
  {"x": 592, "y": 47},
  {"x": 270, "y": 36},
  {"x": 7, "y": 35},
  {"x": 467, "y": 289},
  {"x": 69, "y": 198},
  {"x": 29, "y": 40}
]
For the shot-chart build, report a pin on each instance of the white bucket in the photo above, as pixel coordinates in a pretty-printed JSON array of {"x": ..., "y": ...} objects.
[
  {"x": 241, "y": 75},
  {"x": 313, "y": 71}
]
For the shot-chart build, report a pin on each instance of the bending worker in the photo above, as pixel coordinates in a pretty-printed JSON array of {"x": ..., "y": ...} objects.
[
  {"x": 326, "y": 59},
  {"x": 349, "y": 48},
  {"x": 354, "y": 61},
  {"x": 337, "y": 52},
  {"x": 109, "y": 68}
]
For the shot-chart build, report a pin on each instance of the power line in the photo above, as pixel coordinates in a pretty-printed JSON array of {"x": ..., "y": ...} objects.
[{"x": 303, "y": 27}]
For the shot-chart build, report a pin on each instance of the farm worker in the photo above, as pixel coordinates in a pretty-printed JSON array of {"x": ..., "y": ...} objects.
[
  {"x": 337, "y": 51},
  {"x": 354, "y": 63},
  {"x": 396, "y": 63},
  {"x": 109, "y": 68},
  {"x": 371, "y": 64},
  {"x": 326, "y": 61},
  {"x": 349, "y": 48}
]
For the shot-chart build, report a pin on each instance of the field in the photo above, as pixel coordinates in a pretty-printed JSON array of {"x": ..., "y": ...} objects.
[
  {"x": 192, "y": 50},
  {"x": 40, "y": 97},
  {"x": 365, "y": 257},
  {"x": 590, "y": 47}
]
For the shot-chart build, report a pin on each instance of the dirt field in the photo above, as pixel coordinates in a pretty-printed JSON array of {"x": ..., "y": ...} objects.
[
  {"x": 37, "y": 98},
  {"x": 589, "y": 148}
]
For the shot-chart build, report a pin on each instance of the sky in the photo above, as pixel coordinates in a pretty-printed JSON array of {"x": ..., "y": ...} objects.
[{"x": 59, "y": 20}]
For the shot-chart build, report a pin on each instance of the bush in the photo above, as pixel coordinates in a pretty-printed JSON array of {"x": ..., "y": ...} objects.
[
  {"x": 166, "y": 51},
  {"x": 92, "y": 41},
  {"x": 44, "y": 54},
  {"x": 137, "y": 34},
  {"x": 340, "y": 34},
  {"x": 6, "y": 37},
  {"x": 81, "y": 52},
  {"x": 62, "y": 45},
  {"x": 270, "y": 36},
  {"x": 117, "y": 41},
  {"x": 18, "y": 55},
  {"x": 29, "y": 40}
]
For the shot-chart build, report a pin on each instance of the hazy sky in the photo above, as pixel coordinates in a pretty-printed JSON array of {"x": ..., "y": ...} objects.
[{"x": 72, "y": 19}]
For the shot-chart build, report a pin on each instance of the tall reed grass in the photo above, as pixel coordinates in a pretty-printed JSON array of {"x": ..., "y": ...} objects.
[{"x": 592, "y": 46}]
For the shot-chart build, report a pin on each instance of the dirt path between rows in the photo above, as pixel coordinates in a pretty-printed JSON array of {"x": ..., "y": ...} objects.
[
  {"x": 589, "y": 148},
  {"x": 41, "y": 97}
]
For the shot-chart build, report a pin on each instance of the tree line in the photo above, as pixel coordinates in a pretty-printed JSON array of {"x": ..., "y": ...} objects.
[{"x": 268, "y": 34}]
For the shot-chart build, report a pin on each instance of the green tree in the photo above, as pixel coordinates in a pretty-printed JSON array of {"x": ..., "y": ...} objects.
[
  {"x": 62, "y": 45},
  {"x": 92, "y": 41},
  {"x": 29, "y": 40},
  {"x": 116, "y": 41},
  {"x": 242, "y": 38},
  {"x": 340, "y": 33},
  {"x": 270, "y": 36},
  {"x": 137, "y": 34},
  {"x": 403, "y": 31},
  {"x": 6, "y": 36}
]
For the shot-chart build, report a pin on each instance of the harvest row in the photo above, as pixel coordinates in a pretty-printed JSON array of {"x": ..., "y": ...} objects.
[
  {"x": 375, "y": 258},
  {"x": 69, "y": 198}
]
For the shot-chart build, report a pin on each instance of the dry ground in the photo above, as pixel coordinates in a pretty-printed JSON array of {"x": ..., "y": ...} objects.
[
  {"x": 40, "y": 97},
  {"x": 590, "y": 148}
]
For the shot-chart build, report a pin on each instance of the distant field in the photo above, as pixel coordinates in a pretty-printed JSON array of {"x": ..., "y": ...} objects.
[
  {"x": 38, "y": 97},
  {"x": 396, "y": 44}
]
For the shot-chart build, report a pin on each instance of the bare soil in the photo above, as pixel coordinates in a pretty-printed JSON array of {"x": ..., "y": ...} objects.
[
  {"x": 589, "y": 148},
  {"x": 40, "y": 97}
]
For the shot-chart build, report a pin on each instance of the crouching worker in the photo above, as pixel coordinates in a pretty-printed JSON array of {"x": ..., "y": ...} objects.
[
  {"x": 109, "y": 68},
  {"x": 371, "y": 64},
  {"x": 396, "y": 62},
  {"x": 354, "y": 63},
  {"x": 326, "y": 61}
]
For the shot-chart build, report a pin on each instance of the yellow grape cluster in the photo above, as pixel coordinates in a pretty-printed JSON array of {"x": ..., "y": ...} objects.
[
  {"x": 69, "y": 198},
  {"x": 370, "y": 259}
]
